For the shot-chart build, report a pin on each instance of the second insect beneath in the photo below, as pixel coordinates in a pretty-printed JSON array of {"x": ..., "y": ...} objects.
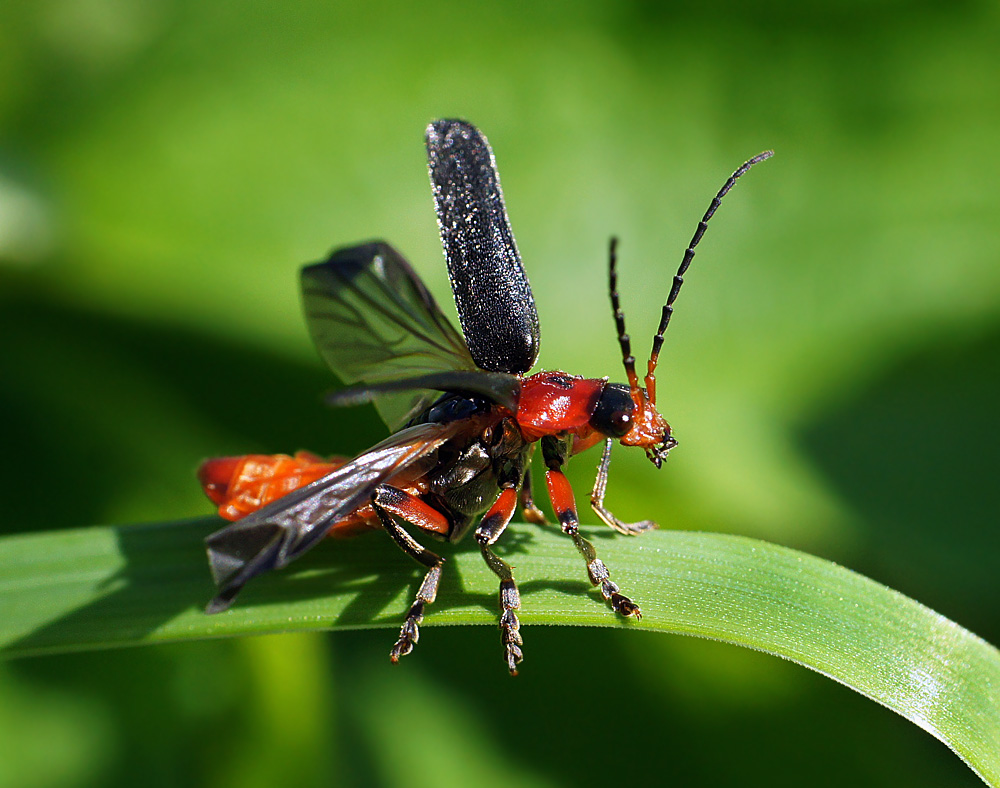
[{"x": 467, "y": 415}]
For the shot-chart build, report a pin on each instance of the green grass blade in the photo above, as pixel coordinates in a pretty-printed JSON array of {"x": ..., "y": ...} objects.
[{"x": 102, "y": 587}]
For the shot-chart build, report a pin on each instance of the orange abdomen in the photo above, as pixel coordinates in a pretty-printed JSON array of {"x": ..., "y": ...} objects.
[{"x": 242, "y": 485}]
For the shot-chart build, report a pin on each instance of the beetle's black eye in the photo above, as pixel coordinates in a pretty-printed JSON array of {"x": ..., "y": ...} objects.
[{"x": 613, "y": 414}]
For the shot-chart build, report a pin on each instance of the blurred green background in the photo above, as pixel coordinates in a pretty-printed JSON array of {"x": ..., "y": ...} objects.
[{"x": 832, "y": 373}]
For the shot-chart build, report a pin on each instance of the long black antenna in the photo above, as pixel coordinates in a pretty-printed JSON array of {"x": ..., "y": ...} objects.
[
  {"x": 668, "y": 308},
  {"x": 623, "y": 338}
]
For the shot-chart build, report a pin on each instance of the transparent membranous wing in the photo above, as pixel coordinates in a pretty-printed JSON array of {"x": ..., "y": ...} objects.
[
  {"x": 373, "y": 321},
  {"x": 280, "y": 532}
]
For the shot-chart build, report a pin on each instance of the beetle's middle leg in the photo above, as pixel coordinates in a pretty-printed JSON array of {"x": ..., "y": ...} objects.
[
  {"x": 492, "y": 525},
  {"x": 531, "y": 512},
  {"x": 391, "y": 501}
]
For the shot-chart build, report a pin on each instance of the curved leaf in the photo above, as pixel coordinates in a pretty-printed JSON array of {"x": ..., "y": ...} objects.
[{"x": 101, "y": 587}]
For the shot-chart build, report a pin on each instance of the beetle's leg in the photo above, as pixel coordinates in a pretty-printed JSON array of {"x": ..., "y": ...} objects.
[
  {"x": 597, "y": 499},
  {"x": 531, "y": 512},
  {"x": 393, "y": 501},
  {"x": 488, "y": 531},
  {"x": 564, "y": 504}
]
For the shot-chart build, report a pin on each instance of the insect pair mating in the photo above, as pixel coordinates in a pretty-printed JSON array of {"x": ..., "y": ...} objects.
[{"x": 467, "y": 416}]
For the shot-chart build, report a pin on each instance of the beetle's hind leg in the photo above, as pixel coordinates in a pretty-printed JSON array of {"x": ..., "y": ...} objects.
[
  {"x": 391, "y": 501},
  {"x": 492, "y": 525}
]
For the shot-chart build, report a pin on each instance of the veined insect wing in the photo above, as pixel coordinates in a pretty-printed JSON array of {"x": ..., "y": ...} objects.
[{"x": 374, "y": 322}]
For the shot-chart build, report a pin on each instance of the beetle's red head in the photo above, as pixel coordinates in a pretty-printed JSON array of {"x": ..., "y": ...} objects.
[
  {"x": 648, "y": 428},
  {"x": 632, "y": 417}
]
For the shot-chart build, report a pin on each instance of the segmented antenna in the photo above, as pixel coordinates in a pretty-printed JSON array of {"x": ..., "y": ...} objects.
[
  {"x": 623, "y": 338},
  {"x": 668, "y": 308}
]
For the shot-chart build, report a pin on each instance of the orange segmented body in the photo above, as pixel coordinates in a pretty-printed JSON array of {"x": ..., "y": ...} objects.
[{"x": 242, "y": 485}]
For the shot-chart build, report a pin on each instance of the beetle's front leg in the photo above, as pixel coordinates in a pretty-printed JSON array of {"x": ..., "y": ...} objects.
[
  {"x": 564, "y": 504},
  {"x": 489, "y": 530},
  {"x": 597, "y": 500}
]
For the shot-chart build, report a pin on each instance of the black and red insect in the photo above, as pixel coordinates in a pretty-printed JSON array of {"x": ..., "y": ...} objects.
[{"x": 468, "y": 416}]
